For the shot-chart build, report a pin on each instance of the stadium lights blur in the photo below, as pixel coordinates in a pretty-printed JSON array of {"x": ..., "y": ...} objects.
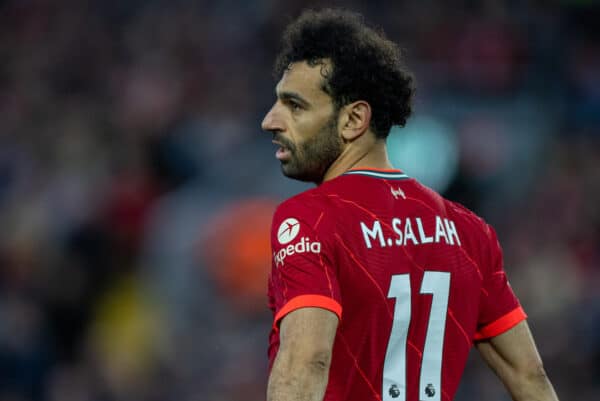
[{"x": 426, "y": 149}]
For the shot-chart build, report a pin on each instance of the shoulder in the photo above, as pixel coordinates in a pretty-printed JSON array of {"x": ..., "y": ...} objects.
[
  {"x": 479, "y": 238},
  {"x": 473, "y": 225},
  {"x": 306, "y": 207}
]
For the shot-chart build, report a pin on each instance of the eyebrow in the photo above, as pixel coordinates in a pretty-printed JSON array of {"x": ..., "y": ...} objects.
[{"x": 287, "y": 95}]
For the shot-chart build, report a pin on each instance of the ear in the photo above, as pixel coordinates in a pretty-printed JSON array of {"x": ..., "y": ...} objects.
[{"x": 356, "y": 118}]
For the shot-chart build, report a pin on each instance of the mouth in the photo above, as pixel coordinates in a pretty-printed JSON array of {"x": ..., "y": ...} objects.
[{"x": 284, "y": 153}]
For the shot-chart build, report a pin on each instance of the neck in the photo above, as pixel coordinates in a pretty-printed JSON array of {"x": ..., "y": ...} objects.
[{"x": 363, "y": 155}]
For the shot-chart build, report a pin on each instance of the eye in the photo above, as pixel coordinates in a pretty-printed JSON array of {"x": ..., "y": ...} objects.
[{"x": 295, "y": 106}]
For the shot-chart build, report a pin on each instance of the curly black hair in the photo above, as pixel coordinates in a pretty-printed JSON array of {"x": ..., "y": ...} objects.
[{"x": 366, "y": 65}]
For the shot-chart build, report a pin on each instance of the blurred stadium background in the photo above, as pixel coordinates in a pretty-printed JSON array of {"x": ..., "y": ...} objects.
[{"x": 136, "y": 187}]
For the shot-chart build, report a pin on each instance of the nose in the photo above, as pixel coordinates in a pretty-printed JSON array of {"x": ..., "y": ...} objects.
[{"x": 272, "y": 121}]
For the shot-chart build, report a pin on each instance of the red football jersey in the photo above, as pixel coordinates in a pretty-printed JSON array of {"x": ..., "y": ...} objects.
[{"x": 414, "y": 279}]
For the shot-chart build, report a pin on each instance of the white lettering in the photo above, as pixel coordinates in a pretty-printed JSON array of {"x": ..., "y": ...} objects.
[
  {"x": 409, "y": 234},
  {"x": 303, "y": 246},
  {"x": 279, "y": 257},
  {"x": 424, "y": 239},
  {"x": 373, "y": 235},
  {"x": 451, "y": 229},
  {"x": 396, "y": 224},
  {"x": 439, "y": 230},
  {"x": 375, "y": 232}
]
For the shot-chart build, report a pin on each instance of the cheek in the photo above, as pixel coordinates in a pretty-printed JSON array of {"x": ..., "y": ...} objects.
[{"x": 305, "y": 130}]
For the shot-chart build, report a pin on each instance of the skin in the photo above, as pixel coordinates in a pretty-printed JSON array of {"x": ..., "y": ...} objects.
[
  {"x": 320, "y": 144},
  {"x": 301, "y": 369},
  {"x": 513, "y": 356}
]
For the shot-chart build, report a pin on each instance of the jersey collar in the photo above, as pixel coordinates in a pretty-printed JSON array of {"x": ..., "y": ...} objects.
[{"x": 389, "y": 174}]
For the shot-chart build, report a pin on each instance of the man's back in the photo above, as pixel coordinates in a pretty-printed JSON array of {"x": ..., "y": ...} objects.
[{"x": 414, "y": 278}]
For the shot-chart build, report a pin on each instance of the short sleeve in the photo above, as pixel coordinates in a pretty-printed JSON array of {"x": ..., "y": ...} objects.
[
  {"x": 500, "y": 309},
  {"x": 302, "y": 273}
]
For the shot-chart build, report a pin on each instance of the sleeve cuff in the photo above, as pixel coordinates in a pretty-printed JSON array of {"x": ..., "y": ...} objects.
[
  {"x": 499, "y": 326},
  {"x": 308, "y": 301}
]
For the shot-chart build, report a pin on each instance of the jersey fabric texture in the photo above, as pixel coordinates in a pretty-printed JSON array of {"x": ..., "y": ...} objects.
[{"x": 414, "y": 278}]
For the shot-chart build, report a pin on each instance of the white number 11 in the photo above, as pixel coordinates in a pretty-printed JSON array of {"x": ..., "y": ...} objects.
[{"x": 394, "y": 368}]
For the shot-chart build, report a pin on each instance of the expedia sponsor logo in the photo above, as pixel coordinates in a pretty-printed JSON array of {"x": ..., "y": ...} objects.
[
  {"x": 304, "y": 246},
  {"x": 288, "y": 230}
]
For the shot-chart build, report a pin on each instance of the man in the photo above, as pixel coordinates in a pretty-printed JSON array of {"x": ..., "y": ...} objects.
[{"x": 379, "y": 286}]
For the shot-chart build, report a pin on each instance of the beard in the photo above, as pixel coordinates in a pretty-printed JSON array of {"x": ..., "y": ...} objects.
[{"x": 310, "y": 160}]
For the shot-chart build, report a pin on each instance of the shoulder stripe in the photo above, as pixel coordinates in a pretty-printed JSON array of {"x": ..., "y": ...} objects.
[
  {"x": 308, "y": 301},
  {"x": 501, "y": 325}
]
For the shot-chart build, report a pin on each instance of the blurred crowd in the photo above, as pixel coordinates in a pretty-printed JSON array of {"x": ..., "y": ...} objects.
[{"x": 136, "y": 188}]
